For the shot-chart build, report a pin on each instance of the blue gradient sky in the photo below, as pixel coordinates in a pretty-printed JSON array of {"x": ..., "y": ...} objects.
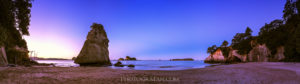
[{"x": 146, "y": 29}]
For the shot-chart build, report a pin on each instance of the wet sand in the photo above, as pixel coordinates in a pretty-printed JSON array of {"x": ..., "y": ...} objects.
[{"x": 245, "y": 73}]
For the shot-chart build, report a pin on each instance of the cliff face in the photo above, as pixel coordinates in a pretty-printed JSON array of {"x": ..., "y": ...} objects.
[
  {"x": 259, "y": 53},
  {"x": 279, "y": 54},
  {"x": 215, "y": 57},
  {"x": 95, "y": 48},
  {"x": 235, "y": 57},
  {"x": 3, "y": 58}
]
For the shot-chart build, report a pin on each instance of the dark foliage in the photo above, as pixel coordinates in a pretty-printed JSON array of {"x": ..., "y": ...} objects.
[
  {"x": 224, "y": 48},
  {"x": 130, "y": 58},
  {"x": 14, "y": 22},
  {"x": 211, "y": 49},
  {"x": 241, "y": 41},
  {"x": 277, "y": 33}
]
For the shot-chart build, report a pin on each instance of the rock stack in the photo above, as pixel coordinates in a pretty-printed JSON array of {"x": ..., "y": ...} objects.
[
  {"x": 95, "y": 49},
  {"x": 216, "y": 57}
]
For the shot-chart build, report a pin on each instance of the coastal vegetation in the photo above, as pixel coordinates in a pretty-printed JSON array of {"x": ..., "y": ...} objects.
[
  {"x": 14, "y": 22},
  {"x": 278, "y": 40}
]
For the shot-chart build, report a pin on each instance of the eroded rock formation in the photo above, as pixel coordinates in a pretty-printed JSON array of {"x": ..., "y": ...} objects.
[
  {"x": 216, "y": 57},
  {"x": 3, "y": 58},
  {"x": 95, "y": 49},
  {"x": 279, "y": 54},
  {"x": 259, "y": 53},
  {"x": 235, "y": 57}
]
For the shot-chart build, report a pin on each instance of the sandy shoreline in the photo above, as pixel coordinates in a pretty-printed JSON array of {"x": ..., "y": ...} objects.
[{"x": 249, "y": 73}]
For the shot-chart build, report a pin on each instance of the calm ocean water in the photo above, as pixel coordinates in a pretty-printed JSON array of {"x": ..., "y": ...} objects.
[{"x": 140, "y": 65}]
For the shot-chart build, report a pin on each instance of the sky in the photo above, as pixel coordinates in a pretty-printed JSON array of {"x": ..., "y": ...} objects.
[{"x": 145, "y": 29}]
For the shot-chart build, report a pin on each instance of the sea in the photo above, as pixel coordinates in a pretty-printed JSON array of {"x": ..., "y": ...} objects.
[{"x": 140, "y": 64}]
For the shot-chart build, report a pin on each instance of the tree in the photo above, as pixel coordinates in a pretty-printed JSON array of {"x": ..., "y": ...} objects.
[
  {"x": 270, "y": 27},
  {"x": 14, "y": 22},
  {"x": 23, "y": 15},
  {"x": 2, "y": 36},
  {"x": 273, "y": 35},
  {"x": 289, "y": 9},
  {"x": 298, "y": 6},
  {"x": 277, "y": 33},
  {"x": 225, "y": 43},
  {"x": 298, "y": 28},
  {"x": 241, "y": 41},
  {"x": 211, "y": 49},
  {"x": 248, "y": 33},
  {"x": 225, "y": 50}
]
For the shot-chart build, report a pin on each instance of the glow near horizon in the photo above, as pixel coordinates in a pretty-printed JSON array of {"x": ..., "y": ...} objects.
[{"x": 161, "y": 29}]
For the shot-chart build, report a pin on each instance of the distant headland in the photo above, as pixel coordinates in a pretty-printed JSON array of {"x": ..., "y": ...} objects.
[{"x": 184, "y": 59}]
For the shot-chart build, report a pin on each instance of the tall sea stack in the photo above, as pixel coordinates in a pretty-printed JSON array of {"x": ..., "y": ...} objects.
[{"x": 95, "y": 49}]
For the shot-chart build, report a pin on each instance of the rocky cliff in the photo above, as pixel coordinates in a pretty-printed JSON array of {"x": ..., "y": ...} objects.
[
  {"x": 95, "y": 49},
  {"x": 279, "y": 54},
  {"x": 235, "y": 57},
  {"x": 259, "y": 53},
  {"x": 3, "y": 58},
  {"x": 216, "y": 57}
]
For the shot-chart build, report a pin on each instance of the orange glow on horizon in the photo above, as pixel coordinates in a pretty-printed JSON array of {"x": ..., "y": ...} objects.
[{"x": 51, "y": 48}]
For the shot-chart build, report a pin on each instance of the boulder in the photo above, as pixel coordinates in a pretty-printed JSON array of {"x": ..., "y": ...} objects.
[
  {"x": 216, "y": 57},
  {"x": 118, "y": 64},
  {"x": 131, "y": 65},
  {"x": 259, "y": 53},
  {"x": 3, "y": 58},
  {"x": 95, "y": 49}
]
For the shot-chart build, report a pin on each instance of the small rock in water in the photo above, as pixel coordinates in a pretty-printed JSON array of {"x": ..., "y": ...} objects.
[
  {"x": 131, "y": 65},
  {"x": 119, "y": 64}
]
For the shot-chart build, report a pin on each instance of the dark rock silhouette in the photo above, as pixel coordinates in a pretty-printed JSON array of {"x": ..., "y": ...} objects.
[
  {"x": 121, "y": 59},
  {"x": 95, "y": 49},
  {"x": 119, "y": 64},
  {"x": 130, "y": 58},
  {"x": 131, "y": 65},
  {"x": 184, "y": 59}
]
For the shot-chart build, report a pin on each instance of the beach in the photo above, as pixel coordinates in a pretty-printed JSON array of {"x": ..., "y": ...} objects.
[{"x": 245, "y": 73}]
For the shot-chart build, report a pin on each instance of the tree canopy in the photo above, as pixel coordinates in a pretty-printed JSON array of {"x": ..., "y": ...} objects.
[
  {"x": 14, "y": 22},
  {"x": 275, "y": 34}
]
